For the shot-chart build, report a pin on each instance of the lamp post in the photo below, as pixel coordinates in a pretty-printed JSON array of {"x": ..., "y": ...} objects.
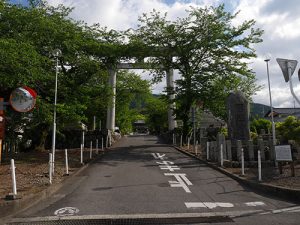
[
  {"x": 272, "y": 117},
  {"x": 57, "y": 54}
]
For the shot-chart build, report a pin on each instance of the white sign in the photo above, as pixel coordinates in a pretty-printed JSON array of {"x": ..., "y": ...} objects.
[{"x": 283, "y": 153}]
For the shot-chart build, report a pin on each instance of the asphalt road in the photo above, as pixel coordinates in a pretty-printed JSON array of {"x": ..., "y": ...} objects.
[{"x": 142, "y": 181}]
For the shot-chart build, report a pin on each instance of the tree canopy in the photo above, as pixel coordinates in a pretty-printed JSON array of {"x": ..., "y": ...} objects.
[{"x": 208, "y": 51}]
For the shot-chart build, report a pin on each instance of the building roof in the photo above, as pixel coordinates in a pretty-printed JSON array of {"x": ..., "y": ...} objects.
[{"x": 284, "y": 111}]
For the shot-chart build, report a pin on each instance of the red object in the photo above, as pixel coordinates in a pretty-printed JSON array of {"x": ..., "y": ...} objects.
[{"x": 31, "y": 91}]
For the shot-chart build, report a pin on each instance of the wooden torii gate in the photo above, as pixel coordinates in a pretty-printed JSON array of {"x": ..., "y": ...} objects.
[{"x": 111, "y": 110}]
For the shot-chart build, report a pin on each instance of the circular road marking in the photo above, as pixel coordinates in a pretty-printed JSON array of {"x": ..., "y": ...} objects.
[{"x": 66, "y": 211}]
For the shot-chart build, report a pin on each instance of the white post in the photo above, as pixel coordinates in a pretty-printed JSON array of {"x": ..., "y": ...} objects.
[
  {"x": 82, "y": 139},
  {"x": 221, "y": 155},
  {"x": 259, "y": 165},
  {"x": 181, "y": 141},
  {"x": 67, "y": 162},
  {"x": 207, "y": 150},
  {"x": 97, "y": 149},
  {"x": 188, "y": 143},
  {"x": 102, "y": 143},
  {"x": 13, "y": 176},
  {"x": 243, "y": 163},
  {"x": 50, "y": 168},
  {"x": 81, "y": 153},
  {"x": 91, "y": 149}
]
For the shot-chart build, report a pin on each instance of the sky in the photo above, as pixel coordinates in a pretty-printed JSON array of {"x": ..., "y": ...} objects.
[{"x": 279, "y": 19}]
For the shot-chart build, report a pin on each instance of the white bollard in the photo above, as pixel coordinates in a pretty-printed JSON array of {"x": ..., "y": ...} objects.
[
  {"x": 81, "y": 153},
  {"x": 188, "y": 143},
  {"x": 83, "y": 139},
  {"x": 102, "y": 143},
  {"x": 50, "y": 168},
  {"x": 91, "y": 149},
  {"x": 221, "y": 155},
  {"x": 180, "y": 141},
  {"x": 243, "y": 162},
  {"x": 97, "y": 149},
  {"x": 13, "y": 176},
  {"x": 207, "y": 150},
  {"x": 259, "y": 165},
  {"x": 67, "y": 161}
]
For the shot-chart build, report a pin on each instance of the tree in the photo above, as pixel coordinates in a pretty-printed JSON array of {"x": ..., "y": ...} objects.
[
  {"x": 260, "y": 124},
  {"x": 208, "y": 51},
  {"x": 156, "y": 111},
  {"x": 28, "y": 37},
  {"x": 130, "y": 88},
  {"x": 289, "y": 129}
]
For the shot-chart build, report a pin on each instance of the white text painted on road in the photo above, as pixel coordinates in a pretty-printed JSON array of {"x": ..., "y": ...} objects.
[
  {"x": 159, "y": 156},
  {"x": 254, "y": 203},
  {"x": 182, "y": 181},
  {"x": 164, "y": 165},
  {"x": 66, "y": 211}
]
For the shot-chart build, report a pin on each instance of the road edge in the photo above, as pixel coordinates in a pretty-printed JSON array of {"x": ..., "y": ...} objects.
[
  {"x": 10, "y": 208},
  {"x": 275, "y": 191}
]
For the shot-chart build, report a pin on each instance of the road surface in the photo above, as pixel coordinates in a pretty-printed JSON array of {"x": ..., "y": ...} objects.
[{"x": 143, "y": 181}]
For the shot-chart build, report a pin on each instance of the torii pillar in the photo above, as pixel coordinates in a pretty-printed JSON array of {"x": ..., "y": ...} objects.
[
  {"x": 170, "y": 91},
  {"x": 111, "y": 109}
]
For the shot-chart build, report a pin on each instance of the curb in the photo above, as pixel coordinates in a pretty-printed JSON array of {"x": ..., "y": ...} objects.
[
  {"x": 292, "y": 195},
  {"x": 10, "y": 208}
]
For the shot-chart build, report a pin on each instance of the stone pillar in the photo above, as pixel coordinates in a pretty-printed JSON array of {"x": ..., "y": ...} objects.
[
  {"x": 239, "y": 149},
  {"x": 220, "y": 140},
  {"x": 272, "y": 150},
  {"x": 228, "y": 150},
  {"x": 251, "y": 150},
  {"x": 170, "y": 88},
  {"x": 111, "y": 108},
  {"x": 261, "y": 147}
]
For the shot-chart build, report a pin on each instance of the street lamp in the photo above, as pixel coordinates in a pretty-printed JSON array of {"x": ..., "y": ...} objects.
[
  {"x": 272, "y": 117},
  {"x": 56, "y": 53}
]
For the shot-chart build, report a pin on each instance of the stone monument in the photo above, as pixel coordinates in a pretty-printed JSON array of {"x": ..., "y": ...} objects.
[{"x": 238, "y": 117}]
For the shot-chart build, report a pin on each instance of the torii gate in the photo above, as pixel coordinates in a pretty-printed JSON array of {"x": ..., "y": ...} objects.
[{"x": 111, "y": 110}]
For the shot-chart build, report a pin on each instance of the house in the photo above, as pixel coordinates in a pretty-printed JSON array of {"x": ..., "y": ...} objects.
[{"x": 280, "y": 114}]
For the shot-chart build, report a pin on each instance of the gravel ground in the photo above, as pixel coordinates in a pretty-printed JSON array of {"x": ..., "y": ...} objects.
[
  {"x": 32, "y": 171},
  {"x": 270, "y": 175}
]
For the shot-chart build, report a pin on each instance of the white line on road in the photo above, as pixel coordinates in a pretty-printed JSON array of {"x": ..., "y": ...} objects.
[
  {"x": 209, "y": 205},
  {"x": 254, "y": 203}
]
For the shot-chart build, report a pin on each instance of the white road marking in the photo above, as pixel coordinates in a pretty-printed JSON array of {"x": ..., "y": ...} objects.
[
  {"x": 182, "y": 181},
  {"x": 159, "y": 156},
  {"x": 254, "y": 203},
  {"x": 66, "y": 211},
  {"x": 209, "y": 205}
]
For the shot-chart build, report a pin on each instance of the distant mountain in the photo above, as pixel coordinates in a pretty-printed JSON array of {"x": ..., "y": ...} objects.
[{"x": 258, "y": 110}]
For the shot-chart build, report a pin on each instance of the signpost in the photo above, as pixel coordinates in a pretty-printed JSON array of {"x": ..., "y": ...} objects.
[{"x": 284, "y": 154}]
